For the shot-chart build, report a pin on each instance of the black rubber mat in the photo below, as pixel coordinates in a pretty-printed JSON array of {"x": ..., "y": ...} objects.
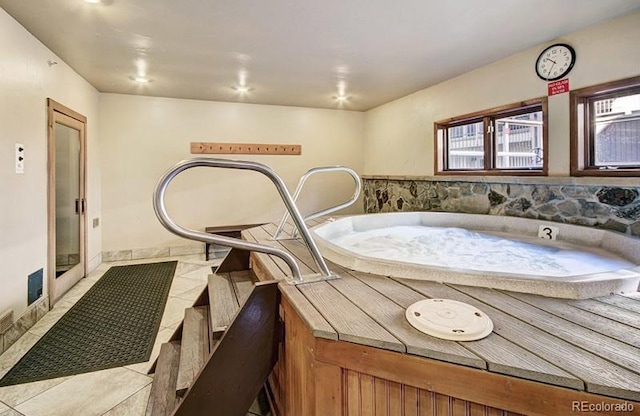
[{"x": 114, "y": 324}]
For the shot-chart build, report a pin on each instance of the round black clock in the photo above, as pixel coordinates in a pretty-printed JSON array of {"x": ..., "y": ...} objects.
[{"x": 555, "y": 61}]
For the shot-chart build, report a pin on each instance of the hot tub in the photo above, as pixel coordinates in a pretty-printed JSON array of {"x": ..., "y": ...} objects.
[{"x": 515, "y": 254}]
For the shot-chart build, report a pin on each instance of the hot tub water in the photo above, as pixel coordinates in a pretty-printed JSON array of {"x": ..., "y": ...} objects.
[
  {"x": 492, "y": 251},
  {"x": 460, "y": 248}
]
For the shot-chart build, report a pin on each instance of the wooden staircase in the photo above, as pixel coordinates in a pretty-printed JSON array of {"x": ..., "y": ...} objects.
[{"x": 220, "y": 357}]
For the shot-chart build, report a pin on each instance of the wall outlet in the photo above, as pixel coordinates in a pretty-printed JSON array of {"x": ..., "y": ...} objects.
[
  {"x": 19, "y": 158},
  {"x": 96, "y": 222}
]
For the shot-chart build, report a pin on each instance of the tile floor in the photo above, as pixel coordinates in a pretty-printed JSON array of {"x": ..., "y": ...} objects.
[{"x": 114, "y": 392}]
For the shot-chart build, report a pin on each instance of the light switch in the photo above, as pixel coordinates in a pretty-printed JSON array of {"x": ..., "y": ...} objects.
[{"x": 19, "y": 158}]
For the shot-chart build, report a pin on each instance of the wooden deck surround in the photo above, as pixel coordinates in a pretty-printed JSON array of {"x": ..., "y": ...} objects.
[{"x": 349, "y": 350}]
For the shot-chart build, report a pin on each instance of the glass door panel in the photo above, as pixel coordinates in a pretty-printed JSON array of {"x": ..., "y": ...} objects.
[
  {"x": 67, "y": 225},
  {"x": 68, "y": 198}
]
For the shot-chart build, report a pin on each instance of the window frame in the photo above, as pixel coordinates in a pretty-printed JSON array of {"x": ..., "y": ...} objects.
[
  {"x": 490, "y": 153},
  {"x": 582, "y": 138}
]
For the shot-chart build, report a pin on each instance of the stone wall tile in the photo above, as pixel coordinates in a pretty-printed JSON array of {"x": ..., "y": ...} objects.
[
  {"x": 614, "y": 225},
  {"x": 515, "y": 190},
  {"x": 631, "y": 212},
  {"x": 635, "y": 228},
  {"x": 495, "y": 198},
  {"x": 568, "y": 208},
  {"x": 615, "y": 208},
  {"x": 547, "y": 209},
  {"x": 617, "y": 196},
  {"x": 575, "y": 191}
]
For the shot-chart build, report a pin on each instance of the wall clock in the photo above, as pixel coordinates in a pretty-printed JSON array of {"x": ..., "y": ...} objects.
[{"x": 555, "y": 61}]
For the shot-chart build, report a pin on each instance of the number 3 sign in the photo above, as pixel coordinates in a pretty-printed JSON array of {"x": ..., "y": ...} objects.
[{"x": 548, "y": 232}]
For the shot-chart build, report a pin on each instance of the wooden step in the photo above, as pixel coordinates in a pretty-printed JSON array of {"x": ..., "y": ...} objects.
[
  {"x": 223, "y": 304},
  {"x": 242, "y": 283},
  {"x": 195, "y": 346},
  {"x": 242, "y": 359},
  {"x": 163, "y": 399}
]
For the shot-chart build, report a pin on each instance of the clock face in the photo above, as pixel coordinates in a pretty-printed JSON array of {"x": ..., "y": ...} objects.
[{"x": 555, "y": 62}]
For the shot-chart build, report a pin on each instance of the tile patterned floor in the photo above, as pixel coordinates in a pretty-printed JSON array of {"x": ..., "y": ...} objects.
[{"x": 114, "y": 392}]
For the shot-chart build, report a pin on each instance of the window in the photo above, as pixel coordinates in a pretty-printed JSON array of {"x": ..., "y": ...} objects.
[
  {"x": 605, "y": 129},
  {"x": 510, "y": 140}
]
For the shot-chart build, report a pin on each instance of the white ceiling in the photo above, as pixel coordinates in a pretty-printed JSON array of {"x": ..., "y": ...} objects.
[{"x": 295, "y": 52}]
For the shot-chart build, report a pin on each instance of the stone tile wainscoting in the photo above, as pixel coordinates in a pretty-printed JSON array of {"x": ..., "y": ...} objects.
[
  {"x": 32, "y": 315},
  {"x": 28, "y": 319},
  {"x": 604, "y": 206},
  {"x": 215, "y": 252}
]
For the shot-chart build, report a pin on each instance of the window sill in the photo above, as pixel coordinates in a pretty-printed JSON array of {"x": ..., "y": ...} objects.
[
  {"x": 501, "y": 172},
  {"x": 523, "y": 180},
  {"x": 616, "y": 173}
]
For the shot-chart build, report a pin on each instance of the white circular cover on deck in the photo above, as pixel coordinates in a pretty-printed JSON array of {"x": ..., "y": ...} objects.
[{"x": 449, "y": 319}]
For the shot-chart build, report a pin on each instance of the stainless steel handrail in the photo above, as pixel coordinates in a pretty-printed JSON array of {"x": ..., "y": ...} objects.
[
  {"x": 169, "y": 224},
  {"x": 326, "y": 211}
]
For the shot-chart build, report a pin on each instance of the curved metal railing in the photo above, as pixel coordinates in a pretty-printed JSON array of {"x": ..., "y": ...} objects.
[
  {"x": 326, "y": 211},
  {"x": 169, "y": 224}
]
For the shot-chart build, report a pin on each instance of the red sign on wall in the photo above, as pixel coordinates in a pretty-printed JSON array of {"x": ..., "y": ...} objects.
[{"x": 558, "y": 87}]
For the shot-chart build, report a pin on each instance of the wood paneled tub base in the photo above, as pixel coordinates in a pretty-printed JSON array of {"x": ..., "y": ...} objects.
[{"x": 348, "y": 349}]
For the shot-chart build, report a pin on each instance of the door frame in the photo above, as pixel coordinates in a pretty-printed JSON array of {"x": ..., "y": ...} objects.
[{"x": 54, "y": 107}]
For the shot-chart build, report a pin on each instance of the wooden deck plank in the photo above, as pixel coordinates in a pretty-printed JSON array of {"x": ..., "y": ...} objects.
[
  {"x": 266, "y": 263},
  {"x": 288, "y": 228},
  {"x": 264, "y": 236},
  {"x": 242, "y": 284},
  {"x": 300, "y": 251},
  {"x": 318, "y": 325},
  {"x": 309, "y": 314},
  {"x": 502, "y": 356},
  {"x": 613, "y": 350},
  {"x": 392, "y": 317},
  {"x": 259, "y": 235},
  {"x": 351, "y": 323},
  {"x": 265, "y": 268},
  {"x": 622, "y": 302},
  {"x": 223, "y": 303},
  {"x": 295, "y": 247},
  {"x": 563, "y": 309},
  {"x": 600, "y": 376},
  {"x": 194, "y": 348},
  {"x": 633, "y": 295},
  {"x": 608, "y": 311},
  {"x": 163, "y": 399}
]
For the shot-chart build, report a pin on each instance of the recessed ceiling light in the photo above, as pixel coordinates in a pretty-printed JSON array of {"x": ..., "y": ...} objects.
[
  {"x": 92, "y": 1},
  {"x": 342, "y": 98},
  {"x": 140, "y": 79},
  {"x": 242, "y": 89}
]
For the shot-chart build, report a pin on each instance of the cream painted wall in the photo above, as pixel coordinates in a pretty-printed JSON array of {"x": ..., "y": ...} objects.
[
  {"x": 399, "y": 135},
  {"x": 26, "y": 80},
  {"x": 143, "y": 136}
]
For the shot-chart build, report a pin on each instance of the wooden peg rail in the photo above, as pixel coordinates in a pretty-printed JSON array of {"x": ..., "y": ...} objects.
[{"x": 245, "y": 148}]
